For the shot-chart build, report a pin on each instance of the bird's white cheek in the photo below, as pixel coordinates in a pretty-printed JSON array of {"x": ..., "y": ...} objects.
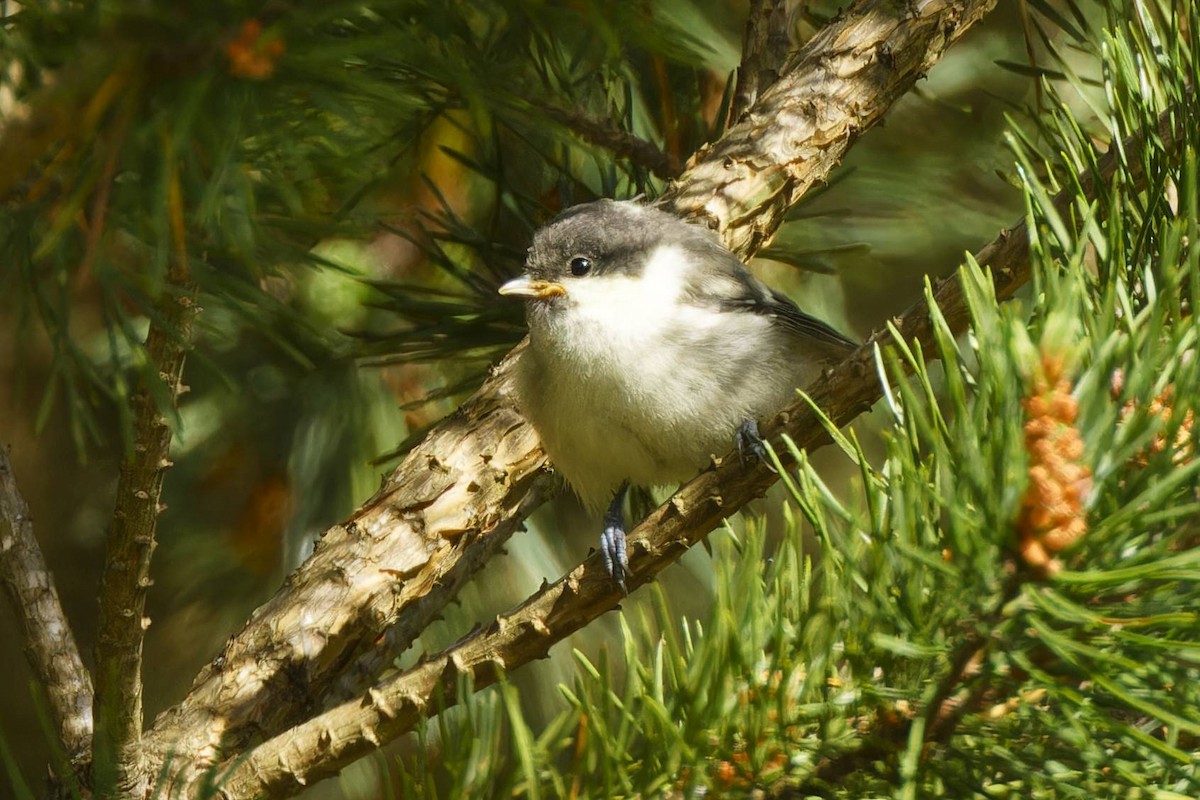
[
  {"x": 627, "y": 311},
  {"x": 616, "y": 309}
]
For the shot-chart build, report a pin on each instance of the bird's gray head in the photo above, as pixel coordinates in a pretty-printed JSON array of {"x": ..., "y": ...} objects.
[{"x": 597, "y": 240}]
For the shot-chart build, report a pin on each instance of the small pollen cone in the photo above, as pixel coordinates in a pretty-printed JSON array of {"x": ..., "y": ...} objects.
[
  {"x": 1183, "y": 444},
  {"x": 1052, "y": 515},
  {"x": 253, "y": 55}
]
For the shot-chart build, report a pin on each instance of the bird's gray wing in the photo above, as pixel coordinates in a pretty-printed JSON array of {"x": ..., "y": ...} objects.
[
  {"x": 733, "y": 288},
  {"x": 784, "y": 312}
]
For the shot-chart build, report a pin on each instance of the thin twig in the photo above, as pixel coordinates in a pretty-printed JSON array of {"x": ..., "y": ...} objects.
[
  {"x": 49, "y": 643},
  {"x": 118, "y": 759},
  {"x": 96, "y": 224}
]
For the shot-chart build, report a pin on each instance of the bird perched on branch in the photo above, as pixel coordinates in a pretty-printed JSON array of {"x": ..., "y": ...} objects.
[{"x": 651, "y": 349}]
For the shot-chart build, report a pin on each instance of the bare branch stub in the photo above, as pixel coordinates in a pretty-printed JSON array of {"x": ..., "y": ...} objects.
[
  {"x": 765, "y": 47},
  {"x": 605, "y": 133},
  {"x": 49, "y": 642}
]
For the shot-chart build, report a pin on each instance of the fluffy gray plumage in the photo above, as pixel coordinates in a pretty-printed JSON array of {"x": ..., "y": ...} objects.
[{"x": 645, "y": 365}]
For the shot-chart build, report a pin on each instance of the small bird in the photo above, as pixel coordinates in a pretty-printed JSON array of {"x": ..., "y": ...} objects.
[{"x": 651, "y": 349}]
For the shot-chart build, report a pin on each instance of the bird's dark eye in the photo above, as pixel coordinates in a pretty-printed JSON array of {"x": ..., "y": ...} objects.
[{"x": 580, "y": 265}]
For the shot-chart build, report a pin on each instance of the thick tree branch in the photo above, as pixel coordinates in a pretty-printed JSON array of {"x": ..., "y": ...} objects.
[
  {"x": 118, "y": 759},
  {"x": 320, "y": 747},
  {"x": 49, "y": 644},
  {"x": 837, "y": 86},
  {"x": 396, "y": 562}
]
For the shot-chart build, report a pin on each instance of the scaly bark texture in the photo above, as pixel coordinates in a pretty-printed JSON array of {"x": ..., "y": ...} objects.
[
  {"x": 454, "y": 500},
  {"x": 49, "y": 643}
]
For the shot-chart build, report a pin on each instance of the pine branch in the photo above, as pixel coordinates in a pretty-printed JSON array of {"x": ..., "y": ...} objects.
[
  {"x": 837, "y": 86},
  {"x": 765, "y": 47},
  {"x": 323, "y": 745},
  {"x": 118, "y": 759},
  {"x": 448, "y": 507},
  {"x": 49, "y": 643},
  {"x": 454, "y": 500},
  {"x": 960, "y": 692}
]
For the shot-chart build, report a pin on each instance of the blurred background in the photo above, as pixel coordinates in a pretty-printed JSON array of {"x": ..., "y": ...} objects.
[{"x": 359, "y": 179}]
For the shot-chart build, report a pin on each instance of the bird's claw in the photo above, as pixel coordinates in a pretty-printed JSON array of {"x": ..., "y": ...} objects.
[
  {"x": 612, "y": 540},
  {"x": 750, "y": 444},
  {"x": 612, "y": 548}
]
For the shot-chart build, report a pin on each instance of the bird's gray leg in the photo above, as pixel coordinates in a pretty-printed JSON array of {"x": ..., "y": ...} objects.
[
  {"x": 750, "y": 443},
  {"x": 612, "y": 539}
]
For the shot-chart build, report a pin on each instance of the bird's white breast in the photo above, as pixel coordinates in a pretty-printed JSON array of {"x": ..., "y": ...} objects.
[{"x": 624, "y": 382}]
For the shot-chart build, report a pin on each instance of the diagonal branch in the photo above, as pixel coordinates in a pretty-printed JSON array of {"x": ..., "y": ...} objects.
[
  {"x": 323, "y": 745},
  {"x": 378, "y": 579},
  {"x": 49, "y": 644},
  {"x": 836, "y": 87}
]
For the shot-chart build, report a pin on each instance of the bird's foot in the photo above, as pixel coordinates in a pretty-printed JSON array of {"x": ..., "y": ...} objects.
[
  {"x": 750, "y": 444},
  {"x": 612, "y": 541}
]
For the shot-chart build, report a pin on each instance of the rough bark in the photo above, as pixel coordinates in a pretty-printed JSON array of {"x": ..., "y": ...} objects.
[
  {"x": 453, "y": 501},
  {"x": 446, "y": 509},
  {"x": 49, "y": 643}
]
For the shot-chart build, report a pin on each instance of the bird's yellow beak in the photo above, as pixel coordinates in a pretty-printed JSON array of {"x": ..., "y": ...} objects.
[{"x": 526, "y": 286}]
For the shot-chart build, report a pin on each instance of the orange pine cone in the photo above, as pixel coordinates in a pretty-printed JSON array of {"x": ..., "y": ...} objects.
[{"x": 1053, "y": 514}]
